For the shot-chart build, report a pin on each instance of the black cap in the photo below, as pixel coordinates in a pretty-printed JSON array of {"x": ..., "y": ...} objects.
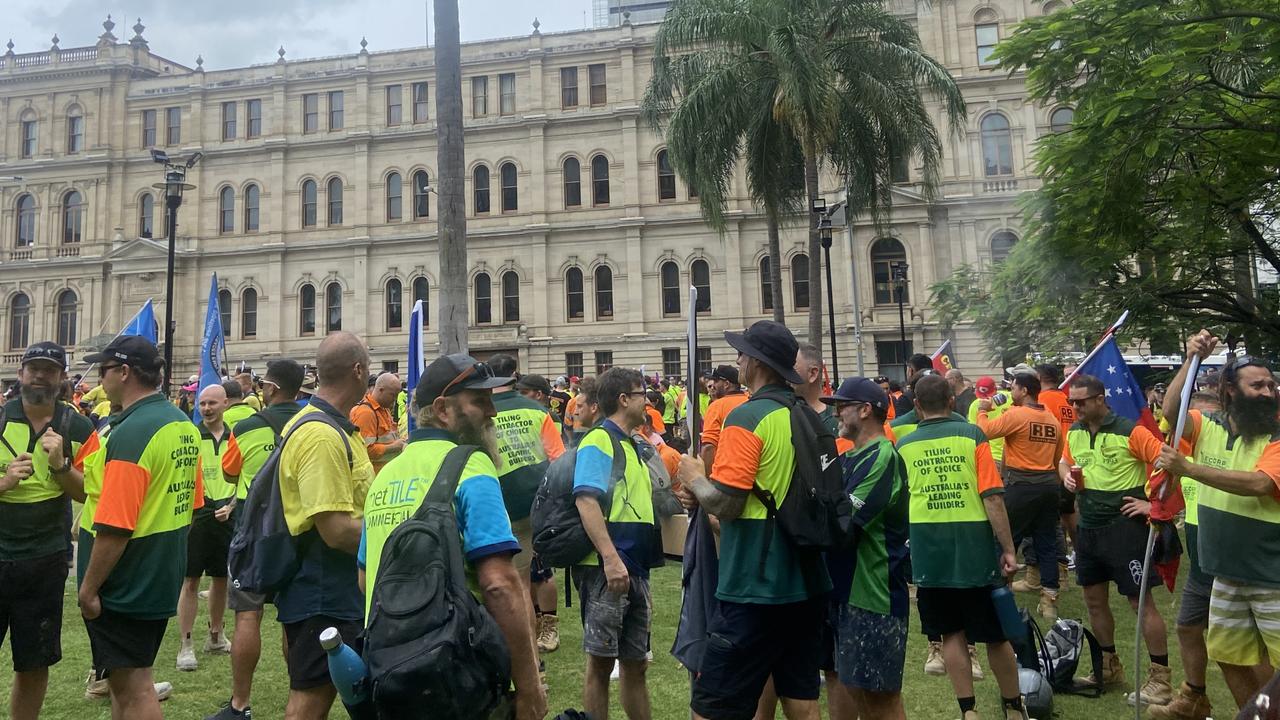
[
  {"x": 727, "y": 373},
  {"x": 48, "y": 351},
  {"x": 860, "y": 389},
  {"x": 772, "y": 344},
  {"x": 451, "y": 374},
  {"x": 534, "y": 382},
  {"x": 132, "y": 350}
]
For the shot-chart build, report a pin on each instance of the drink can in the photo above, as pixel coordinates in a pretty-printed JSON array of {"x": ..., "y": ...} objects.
[{"x": 1077, "y": 474}]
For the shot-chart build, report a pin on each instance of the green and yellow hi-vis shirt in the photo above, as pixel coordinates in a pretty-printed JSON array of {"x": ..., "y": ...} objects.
[
  {"x": 220, "y": 465},
  {"x": 1239, "y": 536},
  {"x": 256, "y": 437},
  {"x": 904, "y": 425},
  {"x": 949, "y": 472},
  {"x": 237, "y": 413},
  {"x": 31, "y": 513},
  {"x": 631, "y": 522},
  {"x": 528, "y": 440},
  {"x": 1114, "y": 463},
  {"x": 756, "y": 450},
  {"x": 996, "y": 444},
  {"x": 144, "y": 482}
]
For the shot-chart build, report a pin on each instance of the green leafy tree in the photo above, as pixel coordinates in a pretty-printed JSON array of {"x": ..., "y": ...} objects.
[
  {"x": 1162, "y": 197},
  {"x": 785, "y": 86}
]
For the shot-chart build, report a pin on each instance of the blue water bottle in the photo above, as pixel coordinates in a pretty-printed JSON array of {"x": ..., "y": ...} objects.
[
  {"x": 1007, "y": 611},
  {"x": 349, "y": 674}
]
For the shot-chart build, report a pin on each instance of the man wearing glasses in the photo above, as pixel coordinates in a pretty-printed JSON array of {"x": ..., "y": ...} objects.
[{"x": 1112, "y": 454}]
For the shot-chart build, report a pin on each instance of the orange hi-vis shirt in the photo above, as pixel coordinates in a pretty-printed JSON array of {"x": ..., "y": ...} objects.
[
  {"x": 1055, "y": 401},
  {"x": 377, "y": 427},
  {"x": 655, "y": 419},
  {"x": 716, "y": 413},
  {"x": 1033, "y": 437}
]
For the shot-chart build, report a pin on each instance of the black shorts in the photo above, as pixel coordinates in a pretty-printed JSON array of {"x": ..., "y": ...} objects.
[
  {"x": 1066, "y": 501},
  {"x": 123, "y": 641},
  {"x": 31, "y": 610},
  {"x": 308, "y": 663},
  {"x": 746, "y": 644},
  {"x": 207, "y": 545},
  {"x": 1114, "y": 554},
  {"x": 944, "y": 611}
]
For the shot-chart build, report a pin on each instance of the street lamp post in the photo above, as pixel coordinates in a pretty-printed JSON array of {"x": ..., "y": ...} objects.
[
  {"x": 898, "y": 271},
  {"x": 175, "y": 176},
  {"x": 824, "y": 233}
]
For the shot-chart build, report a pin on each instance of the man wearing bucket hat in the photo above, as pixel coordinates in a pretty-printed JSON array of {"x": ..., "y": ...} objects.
[{"x": 770, "y": 617}]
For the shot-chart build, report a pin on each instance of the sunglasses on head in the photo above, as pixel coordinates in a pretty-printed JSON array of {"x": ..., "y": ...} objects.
[
  {"x": 1242, "y": 362},
  {"x": 480, "y": 369}
]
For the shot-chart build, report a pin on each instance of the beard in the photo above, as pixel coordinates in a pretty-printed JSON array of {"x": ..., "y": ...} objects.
[
  {"x": 1256, "y": 416},
  {"x": 34, "y": 395},
  {"x": 483, "y": 436}
]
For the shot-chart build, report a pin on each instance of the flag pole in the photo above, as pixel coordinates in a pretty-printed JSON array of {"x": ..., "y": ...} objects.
[
  {"x": 1097, "y": 347},
  {"x": 691, "y": 394}
]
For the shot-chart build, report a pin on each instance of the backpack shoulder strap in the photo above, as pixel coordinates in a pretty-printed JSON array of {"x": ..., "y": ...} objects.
[
  {"x": 277, "y": 426},
  {"x": 448, "y": 477},
  {"x": 1095, "y": 659}
]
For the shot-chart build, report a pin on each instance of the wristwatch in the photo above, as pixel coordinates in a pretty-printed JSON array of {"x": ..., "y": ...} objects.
[{"x": 66, "y": 468}]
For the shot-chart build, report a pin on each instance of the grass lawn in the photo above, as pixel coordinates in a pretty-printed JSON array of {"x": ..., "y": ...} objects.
[{"x": 199, "y": 693}]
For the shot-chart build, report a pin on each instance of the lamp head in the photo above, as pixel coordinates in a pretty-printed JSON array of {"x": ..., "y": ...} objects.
[
  {"x": 819, "y": 206},
  {"x": 159, "y": 156},
  {"x": 191, "y": 161}
]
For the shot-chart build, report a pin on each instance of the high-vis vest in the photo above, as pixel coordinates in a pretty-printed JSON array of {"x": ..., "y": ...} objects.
[
  {"x": 1239, "y": 536},
  {"x": 522, "y": 454},
  {"x": 219, "y": 466}
]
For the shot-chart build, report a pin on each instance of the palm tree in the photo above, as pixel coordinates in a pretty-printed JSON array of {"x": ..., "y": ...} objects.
[
  {"x": 451, "y": 165},
  {"x": 786, "y": 86}
]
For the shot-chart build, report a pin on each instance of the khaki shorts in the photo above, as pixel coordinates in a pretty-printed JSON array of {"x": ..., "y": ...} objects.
[{"x": 523, "y": 530}]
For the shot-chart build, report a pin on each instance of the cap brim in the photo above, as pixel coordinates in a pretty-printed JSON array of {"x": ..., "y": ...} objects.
[
  {"x": 738, "y": 341},
  {"x": 94, "y": 358},
  {"x": 485, "y": 383},
  {"x": 44, "y": 359},
  {"x": 833, "y": 399}
]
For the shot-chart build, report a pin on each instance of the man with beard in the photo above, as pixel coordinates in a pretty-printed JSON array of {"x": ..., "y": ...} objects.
[
  {"x": 455, "y": 407},
  {"x": 42, "y": 445},
  {"x": 1236, "y": 462}
]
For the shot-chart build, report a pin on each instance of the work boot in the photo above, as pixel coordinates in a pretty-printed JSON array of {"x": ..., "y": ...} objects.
[
  {"x": 971, "y": 715},
  {"x": 1112, "y": 672},
  {"x": 217, "y": 644},
  {"x": 1157, "y": 690},
  {"x": 1188, "y": 704},
  {"x": 933, "y": 664},
  {"x": 96, "y": 688},
  {"x": 1030, "y": 583},
  {"x": 1048, "y": 607},
  {"x": 1064, "y": 576},
  {"x": 974, "y": 668},
  {"x": 548, "y": 633},
  {"x": 187, "y": 657}
]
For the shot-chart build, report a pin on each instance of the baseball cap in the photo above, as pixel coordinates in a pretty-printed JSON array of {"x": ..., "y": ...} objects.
[
  {"x": 534, "y": 382},
  {"x": 727, "y": 373},
  {"x": 985, "y": 387},
  {"x": 1020, "y": 368},
  {"x": 46, "y": 351},
  {"x": 573, "y": 379},
  {"x": 860, "y": 389},
  {"x": 772, "y": 344},
  {"x": 561, "y": 382},
  {"x": 451, "y": 374},
  {"x": 129, "y": 350}
]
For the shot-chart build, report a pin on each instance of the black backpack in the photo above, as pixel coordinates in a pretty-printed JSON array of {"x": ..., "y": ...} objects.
[
  {"x": 432, "y": 650},
  {"x": 264, "y": 556},
  {"x": 816, "y": 514},
  {"x": 559, "y": 539}
]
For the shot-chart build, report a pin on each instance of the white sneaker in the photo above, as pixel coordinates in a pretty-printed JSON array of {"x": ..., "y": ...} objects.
[
  {"x": 97, "y": 689},
  {"x": 217, "y": 644},
  {"x": 187, "y": 658},
  {"x": 163, "y": 690},
  {"x": 615, "y": 673}
]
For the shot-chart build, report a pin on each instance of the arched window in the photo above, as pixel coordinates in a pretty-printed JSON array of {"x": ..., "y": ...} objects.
[
  {"x": 510, "y": 296},
  {"x": 307, "y": 310},
  {"x": 800, "y": 281},
  {"x": 26, "y": 230},
  {"x": 510, "y": 196},
  {"x": 1052, "y": 7},
  {"x": 68, "y": 310},
  {"x": 573, "y": 293},
  {"x": 19, "y": 321},
  {"x": 395, "y": 197},
  {"x": 334, "y": 193},
  {"x": 309, "y": 204},
  {"x": 395, "y": 304},
  {"x": 666, "y": 177},
  {"x": 72, "y": 217},
  {"x": 421, "y": 290},
  {"x": 572, "y": 183},
  {"x": 670, "y": 273},
  {"x": 333, "y": 307},
  {"x": 421, "y": 201},
  {"x": 146, "y": 215},
  {"x": 766, "y": 285},
  {"x": 249, "y": 313},
  {"x": 885, "y": 252},
  {"x": 1001, "y": 245},
  {"x": 226, "y": 211},
  {"x": 480, "y": 190},
  {"x": 224, "y": 310},
  {"x": 75, "y": 129},
  {"x": 986, "y": 30},
  {"x": 599, "y": 180},
  {"x": 484, "y": 299},
  {"x": 700, "y": 276},
  {"x": 1060, "y": 120},
  {"x": 252, "y": 199},
  {"x": 604, "y": 293},
  {"x": 997, "y": 145}
]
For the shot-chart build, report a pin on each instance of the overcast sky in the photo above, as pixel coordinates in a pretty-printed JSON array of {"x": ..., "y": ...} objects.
[{"x": 232, "y": 33}]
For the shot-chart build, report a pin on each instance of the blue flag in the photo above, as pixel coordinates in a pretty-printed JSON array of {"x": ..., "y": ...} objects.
[
  {"x": 143, "y": 323},
  {"x": 213, "y": 349},
  {"x": 1123, "y": 392},
  {"x": 416, "y": 362}
]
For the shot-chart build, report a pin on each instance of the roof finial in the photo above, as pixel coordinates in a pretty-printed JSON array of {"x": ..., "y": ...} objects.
[
  {"x": 108, "y": 25},
  {"x": 280, "y": 52},
  {"x": 626, "y": 17},
  {"x": 137, "y": 40},
  {"x": 536, "y": 25},
  {"x": 55, "y": 42},
  {"x": 364, "y": 46},
  {"x": 107, "y": 38},
  {"x": 9, "y": 45},
  {"x": 200, "y": 63}
]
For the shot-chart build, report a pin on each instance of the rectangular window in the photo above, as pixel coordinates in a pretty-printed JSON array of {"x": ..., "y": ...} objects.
[
  {"x": 148, "y": 128},
  {"x": 420, "y": 102},
  {"x": 568, "y": 88},
  {"x": 28, "y": 138},
  {"x": 249, "y": 320},
  {"x": 573, "y": 364},
  {"x": 704, "y": 361},
  {"x": 310, "y": 112},
  {"x": 228, "y": 121},
  {"x": 480, "y": 96},
  {"x": 394, "y": 109},
  {"x": 891, "y": 358},
  {"x": 671, "y": 362},
  {"x": 604, "y": 361},
  {"x": 596, "y": 77},
  {"x": 391, "y": 366},
  {"x": 507, "y": 93},
  {"x": 253, "y": 109},
  {"x": 988, "y": 36},
  {"x": 75, "y": 134},
  {"x": 173, "y": 126},
  {"x": 335, "y": 110}
]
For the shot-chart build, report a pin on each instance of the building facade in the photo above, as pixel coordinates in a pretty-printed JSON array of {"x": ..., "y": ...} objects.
[{"x": 313, "y": 203}]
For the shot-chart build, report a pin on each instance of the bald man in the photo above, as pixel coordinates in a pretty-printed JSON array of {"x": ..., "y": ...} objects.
[
  {"x": 960, "y": 388},
  {"x": 211, "y": 529},
  {"x": 377, "y": 424}
]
